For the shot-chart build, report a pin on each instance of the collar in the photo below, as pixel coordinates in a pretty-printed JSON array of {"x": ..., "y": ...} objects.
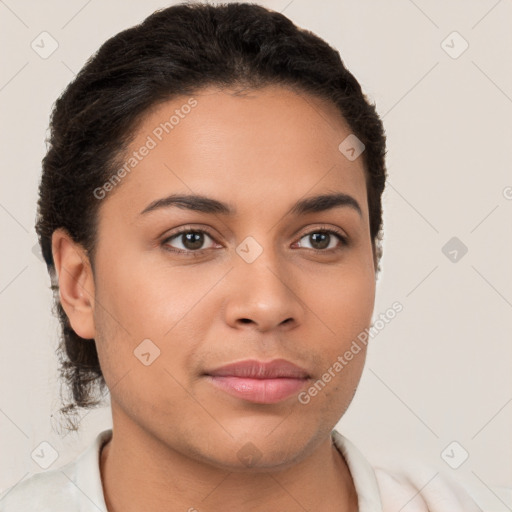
[{"x": 363, "y": 475}]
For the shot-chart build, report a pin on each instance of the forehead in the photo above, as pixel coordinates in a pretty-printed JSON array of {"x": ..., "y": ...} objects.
[{"x": 258, "y": 147}]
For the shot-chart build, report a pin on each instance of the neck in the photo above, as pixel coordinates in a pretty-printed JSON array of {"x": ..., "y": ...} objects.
[{"x": 139, "y": 473}]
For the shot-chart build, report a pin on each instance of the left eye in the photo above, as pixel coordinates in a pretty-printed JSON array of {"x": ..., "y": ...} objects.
[{"x": 324, "y": 239}]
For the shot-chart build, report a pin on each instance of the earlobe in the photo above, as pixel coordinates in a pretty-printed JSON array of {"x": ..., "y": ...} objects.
[{"x": 76, "y": 284}]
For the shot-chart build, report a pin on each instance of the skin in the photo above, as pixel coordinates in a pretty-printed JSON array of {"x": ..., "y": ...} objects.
[{"x": 176, "y": 437}]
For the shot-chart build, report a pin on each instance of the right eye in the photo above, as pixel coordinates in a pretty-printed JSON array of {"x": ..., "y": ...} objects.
[{"x": 191, "y": 241}]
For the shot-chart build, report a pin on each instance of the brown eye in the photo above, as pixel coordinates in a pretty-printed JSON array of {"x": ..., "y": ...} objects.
[
  {"x": 324, "y": 240},
  {"x": 187, "y": 241}
]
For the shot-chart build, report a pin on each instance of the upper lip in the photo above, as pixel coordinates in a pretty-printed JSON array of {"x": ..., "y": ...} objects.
[{"x": 253, "y": 369}]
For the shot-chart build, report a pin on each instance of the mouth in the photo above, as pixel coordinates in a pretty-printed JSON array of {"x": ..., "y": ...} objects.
[{"x": 259, "y": 382}]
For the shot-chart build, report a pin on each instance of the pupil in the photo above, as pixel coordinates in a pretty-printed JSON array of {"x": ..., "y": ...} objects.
[
  {"x": 325, "y": 239},
  {"x": 193, "y": 240}
]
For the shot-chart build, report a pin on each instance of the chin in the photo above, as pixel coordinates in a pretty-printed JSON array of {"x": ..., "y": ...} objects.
[{"x": 262, "y": 448}]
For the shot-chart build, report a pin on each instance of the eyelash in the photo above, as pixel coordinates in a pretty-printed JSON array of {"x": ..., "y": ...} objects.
[{"x": 186, "y": 229}]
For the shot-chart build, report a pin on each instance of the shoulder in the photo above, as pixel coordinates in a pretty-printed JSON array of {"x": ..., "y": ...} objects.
[
  {"x": 407, "y": 487},
  {"x": 74, "y": 487},
  {"x": 422, "y": 489},
  {"x": 47, "y": 491}
]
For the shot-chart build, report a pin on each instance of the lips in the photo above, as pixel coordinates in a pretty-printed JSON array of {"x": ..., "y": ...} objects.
[
  {"x": 259, "y": 382},
  {"x": 252, "y": 369}
]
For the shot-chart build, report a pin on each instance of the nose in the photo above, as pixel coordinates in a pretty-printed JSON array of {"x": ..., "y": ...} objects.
[{"x": 262, "y": 294}]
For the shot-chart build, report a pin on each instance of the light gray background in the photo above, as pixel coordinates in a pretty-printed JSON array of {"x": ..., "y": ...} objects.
[{"x": 441, "y": 370}]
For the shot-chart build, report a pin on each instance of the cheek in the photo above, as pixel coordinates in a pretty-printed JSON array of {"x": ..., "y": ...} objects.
[
  {"x": 138, "y": 302},
  {"x": 346, "y": 308},
  {"x": 346, "y": 301},
  {"x": 148, "y": 299}
]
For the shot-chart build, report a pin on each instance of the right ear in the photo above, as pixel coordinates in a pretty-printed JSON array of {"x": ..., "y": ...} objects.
[{"x": 75, "y": 281}]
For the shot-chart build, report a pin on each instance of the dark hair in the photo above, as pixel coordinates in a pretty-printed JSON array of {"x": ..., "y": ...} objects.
[{"x": 177, "y": 51}]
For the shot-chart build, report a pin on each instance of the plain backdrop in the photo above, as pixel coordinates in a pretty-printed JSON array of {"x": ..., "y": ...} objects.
[{"x": 439, "y": 372}]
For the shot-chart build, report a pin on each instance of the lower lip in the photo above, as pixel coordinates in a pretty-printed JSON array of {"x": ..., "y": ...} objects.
[{"x": 261, "y": 391}]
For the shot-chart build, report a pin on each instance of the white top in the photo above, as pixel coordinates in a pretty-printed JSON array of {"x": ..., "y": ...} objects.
[{"x": 77, "y": 486}]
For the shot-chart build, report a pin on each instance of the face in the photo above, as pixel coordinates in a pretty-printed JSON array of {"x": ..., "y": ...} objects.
[{"x": 267, "y": 281}]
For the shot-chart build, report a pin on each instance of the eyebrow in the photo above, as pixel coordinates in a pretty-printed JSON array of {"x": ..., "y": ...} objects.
[{"x": 206, "y": 204}]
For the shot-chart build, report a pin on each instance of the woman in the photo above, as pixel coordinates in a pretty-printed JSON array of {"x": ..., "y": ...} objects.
[{"x": 210, "y": 214}]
